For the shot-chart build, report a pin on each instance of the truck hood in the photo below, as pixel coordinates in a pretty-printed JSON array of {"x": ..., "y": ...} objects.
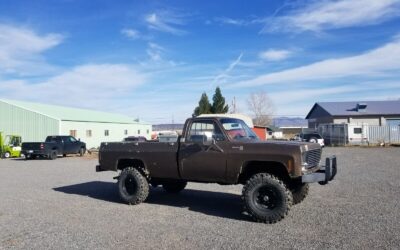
[{"x": 304, "y": 146}]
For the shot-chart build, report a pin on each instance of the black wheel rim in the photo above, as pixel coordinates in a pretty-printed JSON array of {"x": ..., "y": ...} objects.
[
  {"x": 265, "y": 198},
  {"x": 130, "y": 185}
]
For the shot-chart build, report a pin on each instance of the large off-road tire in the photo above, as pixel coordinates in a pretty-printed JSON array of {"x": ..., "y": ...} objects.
[
  {"x": 133, "y": 187},
  {"x": 299, "y": 192},
  {"x": 266, "y": 198},
  {"x": 174, "y": 186},
  {"x": 53, "y": 155}
]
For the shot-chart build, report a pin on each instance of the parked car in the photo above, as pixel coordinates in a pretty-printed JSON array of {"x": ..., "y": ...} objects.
[
  {"x": 53, "y": 146},
  {"x": 312, "y": 137},
  {"x": 135, "y": 139},
  {"x": 275, "y": 175}
]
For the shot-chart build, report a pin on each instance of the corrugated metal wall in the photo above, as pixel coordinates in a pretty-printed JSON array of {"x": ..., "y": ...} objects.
[
  {"x": 384, "y": 134},
  {"x": 30, "y": 125}
]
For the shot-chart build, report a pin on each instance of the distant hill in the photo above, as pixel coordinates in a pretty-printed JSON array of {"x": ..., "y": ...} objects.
[{"x": 290, "y": 122}]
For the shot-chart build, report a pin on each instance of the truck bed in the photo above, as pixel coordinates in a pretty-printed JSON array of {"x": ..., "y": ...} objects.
[{"x": 159, "y": 158}]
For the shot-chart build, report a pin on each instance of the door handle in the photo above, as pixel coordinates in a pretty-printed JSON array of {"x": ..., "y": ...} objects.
[{"x": 238, "y": 147}]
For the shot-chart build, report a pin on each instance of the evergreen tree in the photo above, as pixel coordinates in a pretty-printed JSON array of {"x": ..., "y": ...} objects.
[
  {"x": 204, "y": 106},
  {"x": 219, "y": 106}
]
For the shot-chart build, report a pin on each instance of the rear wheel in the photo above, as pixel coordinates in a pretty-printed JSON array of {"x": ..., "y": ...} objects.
[
  {"x": 174, "y": 186},
  {"x": 7, "y": 155},
  {"x": 53, "y": 155},
  {"x": 266, "y": 198},
  {"x": 133, "y": 187}
]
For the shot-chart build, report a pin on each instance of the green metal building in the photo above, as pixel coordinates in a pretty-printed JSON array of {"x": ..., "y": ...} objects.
[{"x": 35, "y": 121}]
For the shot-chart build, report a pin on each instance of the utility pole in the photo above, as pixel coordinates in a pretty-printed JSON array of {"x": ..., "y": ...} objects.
[{"x": 233, "y": 105}]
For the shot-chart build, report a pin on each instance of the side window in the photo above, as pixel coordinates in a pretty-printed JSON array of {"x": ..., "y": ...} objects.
[
  {"x": 72, "y": 139},
  {"x": 202, "y": 131}
]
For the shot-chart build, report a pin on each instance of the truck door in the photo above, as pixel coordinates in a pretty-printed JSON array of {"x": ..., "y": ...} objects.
[
  {"x": 71, "y": 145},
  {"x": 202, "y": 154}
]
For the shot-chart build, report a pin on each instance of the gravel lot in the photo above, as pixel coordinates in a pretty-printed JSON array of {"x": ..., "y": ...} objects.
[{"x": 65, "y": 204}]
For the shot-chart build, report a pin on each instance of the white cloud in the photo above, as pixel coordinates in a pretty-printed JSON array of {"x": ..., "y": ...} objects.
[
  {"x": 275, "y": 54},
  {"x": 323, "y": 15},
  {"x": 165, "y": 22},
  {"x": 221, "y": 78},
  {"x": 131, "y": 33},
  {"x": 384, "y": 60},
  {"x": 93, "y": 85},
  {"x": 21, "y": 49},
  {"x": 231, "y": 21},
  {"x": 155, "y": 51}
]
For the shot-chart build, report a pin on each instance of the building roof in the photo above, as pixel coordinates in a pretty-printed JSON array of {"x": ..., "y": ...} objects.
[
  {"x": 362, "y": 108},
  {"x": 72, "y": 114}
]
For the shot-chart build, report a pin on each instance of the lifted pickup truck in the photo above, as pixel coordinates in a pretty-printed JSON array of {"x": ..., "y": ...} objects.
[
  {"x": 221, "y": 150},
  {"x": 53, "y": 146}
]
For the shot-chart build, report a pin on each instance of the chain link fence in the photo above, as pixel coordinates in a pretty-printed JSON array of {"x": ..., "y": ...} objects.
[{"x": 352, "y": 134}]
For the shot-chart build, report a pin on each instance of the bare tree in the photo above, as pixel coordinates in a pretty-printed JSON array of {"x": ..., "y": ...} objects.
[{"x": 262, "y": 108}]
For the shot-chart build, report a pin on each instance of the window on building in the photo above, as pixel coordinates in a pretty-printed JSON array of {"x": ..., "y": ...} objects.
[
  {"x": 357, "y": 130},
  {"x": 148, "y": 131},
  {"x": 89, "y": 133},
  {"x": 73, "y": 133},
  {"x": 126, "y": 132},
  {"x": 138, "y": 132},
  {"x": 106, "y": 132}
]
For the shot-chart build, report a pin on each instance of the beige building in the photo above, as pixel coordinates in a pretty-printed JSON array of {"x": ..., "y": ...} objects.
[{"x": 35, "y": 121}]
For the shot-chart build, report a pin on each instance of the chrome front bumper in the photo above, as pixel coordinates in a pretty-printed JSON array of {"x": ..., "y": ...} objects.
[{"x": 324, "y": 174}]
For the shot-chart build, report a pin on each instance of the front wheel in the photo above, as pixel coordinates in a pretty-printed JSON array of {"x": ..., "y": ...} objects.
[
  {"x": 299, "y": 192},
  {"x": 7, "y": 155},
  {"x": 133, "y": 187},
  {"x": 266, "y": 198},
  {"x": 313, "y": 140},
  {"x": 81, "y": 152}
]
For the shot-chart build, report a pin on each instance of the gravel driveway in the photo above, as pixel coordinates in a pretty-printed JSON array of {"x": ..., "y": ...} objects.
[{"x": 65, "y": 204}]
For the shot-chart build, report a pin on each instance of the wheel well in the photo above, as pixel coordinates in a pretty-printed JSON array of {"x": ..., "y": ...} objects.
[
  {"x": 254, "y": 167},
  {"x": 136, "y": 163}
]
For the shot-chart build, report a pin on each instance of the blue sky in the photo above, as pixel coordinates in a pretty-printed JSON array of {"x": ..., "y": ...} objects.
[{"x": 153, "y": 59}]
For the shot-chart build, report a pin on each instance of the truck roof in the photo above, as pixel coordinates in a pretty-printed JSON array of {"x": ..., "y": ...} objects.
[{"x": 242, "y": 117}]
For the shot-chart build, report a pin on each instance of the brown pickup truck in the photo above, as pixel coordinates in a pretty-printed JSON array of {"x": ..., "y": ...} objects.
[{"x": 275, "y": 175}]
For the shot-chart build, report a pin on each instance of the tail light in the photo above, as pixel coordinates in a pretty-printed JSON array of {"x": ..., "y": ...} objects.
[{"x": 41, "y": 146}]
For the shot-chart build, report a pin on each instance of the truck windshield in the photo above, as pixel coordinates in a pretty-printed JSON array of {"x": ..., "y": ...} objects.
[{"x": 238, "y": 130}]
